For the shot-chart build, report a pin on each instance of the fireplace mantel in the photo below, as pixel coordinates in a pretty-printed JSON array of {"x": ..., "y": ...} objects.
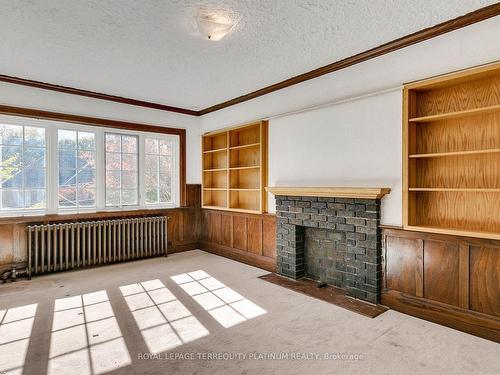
[{"x": 333, "y": 192}]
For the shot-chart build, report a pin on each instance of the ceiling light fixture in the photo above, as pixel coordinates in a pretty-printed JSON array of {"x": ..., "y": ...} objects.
[{"x": 214, "y": 26}]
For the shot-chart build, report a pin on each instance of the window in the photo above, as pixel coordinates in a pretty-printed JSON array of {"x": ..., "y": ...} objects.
[
  {"x": 158, "y": 170},
  {"x": 49, "y": 167},
  {"x": 22, "y": 167},
  {"x": 121, "y": 170},
  {"x": 77, "y": 168}
]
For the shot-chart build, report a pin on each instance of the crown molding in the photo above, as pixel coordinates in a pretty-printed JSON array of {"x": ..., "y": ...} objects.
[
  {"x": 94, "y": 95},
  {"x": 394, "y": 45}
]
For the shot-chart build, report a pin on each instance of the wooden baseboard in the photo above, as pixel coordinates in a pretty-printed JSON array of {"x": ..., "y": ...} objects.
[
  {"x": 468, "y": 321},
  {"x": 266, "y": 263},
  {"x": 183, "y": 247}
]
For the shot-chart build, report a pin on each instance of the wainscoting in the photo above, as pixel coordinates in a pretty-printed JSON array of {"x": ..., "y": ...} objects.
[
  {"x": 248, "y": 238},
  {"x": 449, "y": 280}
]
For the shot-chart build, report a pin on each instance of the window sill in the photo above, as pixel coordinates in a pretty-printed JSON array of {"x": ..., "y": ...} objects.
[{"x": 32, "y": 218}]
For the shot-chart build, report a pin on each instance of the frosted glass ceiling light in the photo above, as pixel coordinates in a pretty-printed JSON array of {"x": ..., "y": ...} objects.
[{"x": 213, "y": 27}]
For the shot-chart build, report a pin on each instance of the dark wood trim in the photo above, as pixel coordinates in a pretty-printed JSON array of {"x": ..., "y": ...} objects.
[
  {"x": 180, "y": 248},
  {"x": 266, "y": 263},
  {"x": 94, "y": 121},
  {"x": 472, "y": 322},
  {"x": 408, "y": 40},
  {"x": 94, "y": 95},
  {"x": 405, "y": 41}
]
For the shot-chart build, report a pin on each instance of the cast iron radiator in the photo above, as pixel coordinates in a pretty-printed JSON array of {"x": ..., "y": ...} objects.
[{"x": 65, "y": 246}]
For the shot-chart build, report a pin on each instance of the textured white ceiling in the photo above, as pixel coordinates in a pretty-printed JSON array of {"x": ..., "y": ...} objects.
[{"x": 148, "y": 49}]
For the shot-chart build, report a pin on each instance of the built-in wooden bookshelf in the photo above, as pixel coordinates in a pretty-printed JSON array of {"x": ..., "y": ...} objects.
[
  {"x": 235, "y": 168},
  {"x": 451, "y": 131}
]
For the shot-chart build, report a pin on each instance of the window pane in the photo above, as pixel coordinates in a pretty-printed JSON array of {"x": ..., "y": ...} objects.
[
  {"x": 113, "y": 179},
  {"x": 86, "y": 196},
  {"x": 67, "y": 139},
  {"x": 11, "y": 178},
  {"x": 67, "y": 159},
  {"x": 165, "y": 147},
  {"x": 113, "y": 161},
  {"x": 11, "y": 156},
  {"x": 67, "y": 177},
  {"x": 11, "y": 134},
  {"x": 165, "y": 188},
  {"x": 151, "y": 163},
  {"x": 34, "y": 178},
  {"x": 12, "y": 199},
  {"x": 86, "y": 159},
  {"x": 112, "y": 197},
  {"x": 22, "y": 167},
  {"x": 34, "y": 137},
  {"x": 34, "y": 199},
  {"x": 129, "y": 197},
  {"x": 129, "y": 180},
  {"x": 86, "y": 177},
  {"x": 113, "y": 142},
  {"x": 129, "y": 144},
  {"x": 129, "y": 162},
  {"x": 34, "y": 158},
  {"x": 151, "y": 146},
  {"x": 165, "y": 164},
  {"x": 86, "y": 141},
  {"x": 67, "y": 196},
  {"x": 151, "y": 185}
]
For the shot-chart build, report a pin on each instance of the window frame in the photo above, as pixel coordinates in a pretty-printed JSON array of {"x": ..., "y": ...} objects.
[{"x": 52, "y": 167}]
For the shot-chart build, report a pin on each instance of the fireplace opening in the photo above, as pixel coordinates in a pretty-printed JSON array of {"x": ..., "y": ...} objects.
[{"x": 324, "y": 256}]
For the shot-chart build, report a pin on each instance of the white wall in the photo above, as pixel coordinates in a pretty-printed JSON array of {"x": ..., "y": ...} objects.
[
  {"x": 362, "y": 106},
  {"x": 22, "y": 96},
  {"x": 352, "y": 144}
]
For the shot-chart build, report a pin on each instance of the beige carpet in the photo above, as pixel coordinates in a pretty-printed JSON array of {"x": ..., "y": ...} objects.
[{"x": 161, "y": 316}]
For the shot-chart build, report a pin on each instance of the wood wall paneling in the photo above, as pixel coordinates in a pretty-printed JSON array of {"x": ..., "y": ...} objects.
[
  {"x": 227, "y": 230},
  {"x": 401, "y": 271},
  {"x": 485, "y": 279},
  {"x": 441, "y": 272},
  {"x": 254, "y": 235},
  {"x": 249, "y": 238},
  {"x": 269, "y": 236},
  {"x": 193, "y": 195},
  {"x": 459, "y": 279},
  {"x": 240, "y": 232}
]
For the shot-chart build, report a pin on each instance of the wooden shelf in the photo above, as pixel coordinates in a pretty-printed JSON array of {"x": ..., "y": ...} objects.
[
  {"x": 457, "y": 153},
  {"x": 235, "y": 168},
  {"x": 454, "y": 231},
  {"x": 213, "y": 151},
  {"x": 215, "y": 170},
  {"x": 243, "y": 168},
  {"x": 456, "y": 114},
  {"x": 451, "y": 168},
  {"x": 466, "y": 190},
  {"x": 245, "y": 146}
]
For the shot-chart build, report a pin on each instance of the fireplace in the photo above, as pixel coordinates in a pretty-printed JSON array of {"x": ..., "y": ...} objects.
[{"x": 331, "y": 239}]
